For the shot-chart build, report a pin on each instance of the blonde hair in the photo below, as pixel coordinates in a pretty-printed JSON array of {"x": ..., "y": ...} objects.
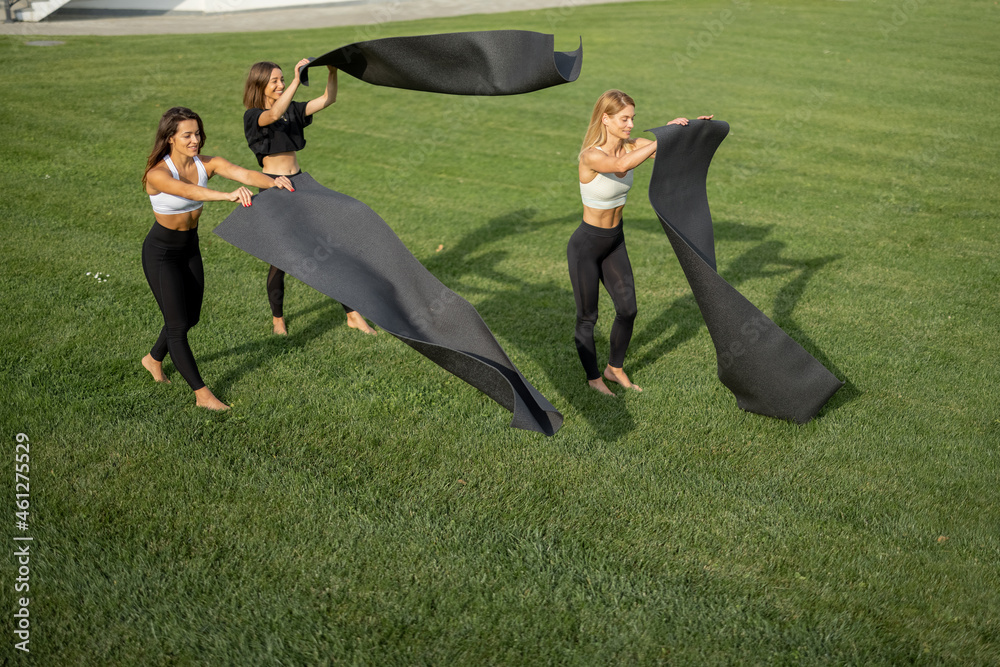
[
  {"x": 257, "y": 80},
  {"x": 611, "y": 102}
]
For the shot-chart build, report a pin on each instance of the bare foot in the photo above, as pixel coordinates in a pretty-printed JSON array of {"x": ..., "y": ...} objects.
[
  {"x": 155, "y": 368},
  {"x": 204, "y": 398},
  {"x": 618, "y": 375},
  {"x": 599, "y": 385},
  {"x": 356, "y": 320},
  {"x": 279, "y": 326}
]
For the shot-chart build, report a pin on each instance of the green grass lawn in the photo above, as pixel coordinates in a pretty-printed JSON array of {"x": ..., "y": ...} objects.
[{"x": 360, "y": 505}]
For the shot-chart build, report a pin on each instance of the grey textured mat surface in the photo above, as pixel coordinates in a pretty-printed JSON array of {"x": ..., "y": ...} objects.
[
  {"x": 342, "y": 248},
  {"x": 767, "y": 371},
  {"x": 489, "y": 62}
]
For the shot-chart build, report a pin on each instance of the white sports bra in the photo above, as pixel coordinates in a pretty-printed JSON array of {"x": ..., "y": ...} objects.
[
  {"x": 606, "y": 190},
  {"x": 172, "y": 204}
]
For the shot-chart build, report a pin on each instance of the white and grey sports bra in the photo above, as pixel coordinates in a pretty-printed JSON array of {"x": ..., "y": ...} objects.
[
  {"x": 172, "y": 204},
  {"x": 606, "y": 190}
]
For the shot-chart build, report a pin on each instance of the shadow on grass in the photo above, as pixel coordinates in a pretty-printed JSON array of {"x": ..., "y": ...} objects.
[
  {"x": 551, "y": 309},
  {"x": 81, "y": 14},
  {"x": 763, "y": 260},
  {"x": 258, "y": 353},
  {"x": 766, "y": 259},
  {"x": 538, "y": 317}
]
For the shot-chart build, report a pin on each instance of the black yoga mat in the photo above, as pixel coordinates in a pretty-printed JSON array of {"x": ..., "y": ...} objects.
[
  {"x": 489, "y": 62},
  {"x": 767, "y": 371},
  {"x": 342, "y": 248}
]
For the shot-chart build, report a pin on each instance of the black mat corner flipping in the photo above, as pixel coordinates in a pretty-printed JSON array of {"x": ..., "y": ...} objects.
[
  {"x": 488, "y": 62},
  {"x": 341, "y": 247}
]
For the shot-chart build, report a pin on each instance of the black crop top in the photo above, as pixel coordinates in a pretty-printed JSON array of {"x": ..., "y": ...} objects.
[{"x": 283, "y": 135}]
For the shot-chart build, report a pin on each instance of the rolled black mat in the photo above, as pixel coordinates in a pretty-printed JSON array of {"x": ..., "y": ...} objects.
[
  {"x": 489, "y": 62},
  {"x": 342, "y": 248},
  {"x": 767, "y": 371}
]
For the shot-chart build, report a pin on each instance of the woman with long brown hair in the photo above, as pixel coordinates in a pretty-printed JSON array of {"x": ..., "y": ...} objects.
[
  {"x": 175, "y": 179},
  {"x": 596, "y": 252},
  {"x": 274, "y": 127}
]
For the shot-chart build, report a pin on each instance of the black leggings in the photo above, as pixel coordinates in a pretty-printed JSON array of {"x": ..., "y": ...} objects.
[
  {"x": 276, "y": 292},
  {"x": 171, "y": 261},
  {"x": 597, "y": 255},
  {"x": 276, "y": 283}
]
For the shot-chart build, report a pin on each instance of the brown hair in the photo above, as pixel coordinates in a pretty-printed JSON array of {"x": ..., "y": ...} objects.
[
  {"x": 168, "y": 128},
  {"x": 257, "y": 80},
  {"x": 610, "y": 102}
]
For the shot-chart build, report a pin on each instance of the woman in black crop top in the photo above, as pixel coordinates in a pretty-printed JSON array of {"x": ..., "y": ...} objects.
[{"x": 274, "y": 127}]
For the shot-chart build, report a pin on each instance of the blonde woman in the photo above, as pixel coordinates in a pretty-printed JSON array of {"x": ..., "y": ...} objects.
[
  {"x": 274, "y": 126},
  {"x": 596, "y": 251}
]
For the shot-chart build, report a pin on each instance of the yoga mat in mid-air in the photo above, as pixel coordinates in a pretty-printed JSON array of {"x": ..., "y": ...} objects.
[
  {"x": 488, "y": 62},
  {"x": 767, "y": 371},
  {"x": 342, "y": 248}
]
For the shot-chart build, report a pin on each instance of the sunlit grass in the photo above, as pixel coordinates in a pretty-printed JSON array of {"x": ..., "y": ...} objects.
[{"x": 361, "y": 505}]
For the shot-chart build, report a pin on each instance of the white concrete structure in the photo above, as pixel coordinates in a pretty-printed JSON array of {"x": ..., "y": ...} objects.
[
  {"x": 206, "y": 6},
  {"x": 36, "y": 10}
]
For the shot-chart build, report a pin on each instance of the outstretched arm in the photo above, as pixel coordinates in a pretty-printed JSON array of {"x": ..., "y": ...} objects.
[
  {"x": 601, "y": 162},
  {"x": 163, "y": 181},
  {"x": 234, "y": 172},
  {"x": 329, "y": 95}
]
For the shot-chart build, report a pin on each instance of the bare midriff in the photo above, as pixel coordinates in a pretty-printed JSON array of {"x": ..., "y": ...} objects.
[
  {"x": 603, "y": 217},
  {"x": 281, "y": 164},
  {"x": 179, "y": 222}
]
